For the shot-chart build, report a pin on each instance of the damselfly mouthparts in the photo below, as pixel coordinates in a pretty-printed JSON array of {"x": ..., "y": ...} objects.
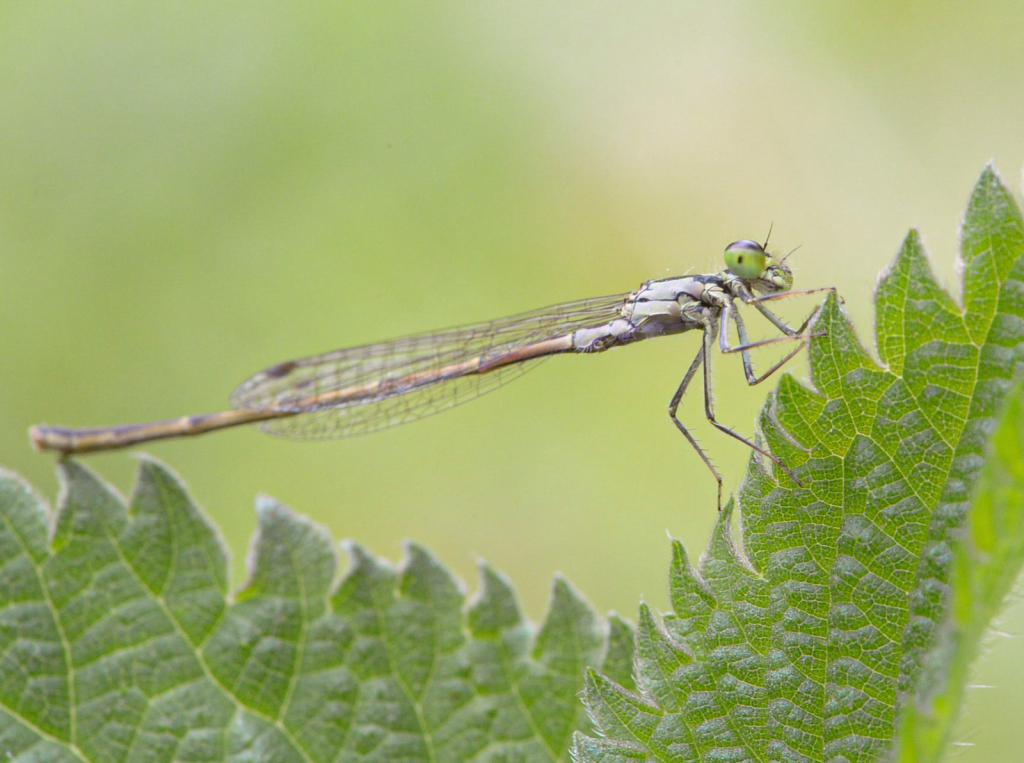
[{"x": 363, "y": 389}]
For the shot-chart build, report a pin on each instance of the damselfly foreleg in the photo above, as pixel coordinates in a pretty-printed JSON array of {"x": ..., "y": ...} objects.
[
  {"x": 748, "y": 364},
  {"x": 790, "y": 293},
  {"x": 781, "y": 325},
  {"x": 746, "y": 345}
]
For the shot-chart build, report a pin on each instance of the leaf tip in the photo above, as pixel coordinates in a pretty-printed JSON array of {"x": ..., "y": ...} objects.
[
  {"x": 989, "y": 173},
  {"x": 987, "y": 187},
  {"x": 84, "y": 494},
  {"x": 494, "y": 606},
  {"x": 564, "y": 591},
  {"x": 680, "y": 559},
  {"x": 645, "y": 616},
  {"x": 493, "y": 582},
  {"x": 358, "y": 555},
  {"x": 569, "y": 611},
  {"x": 154, "y": 476},
  {"x": 418, "y": 558},
  {"x": 618, "y": 621},
  {"x": 273, "y": 517},
  {"x": 363, "y": 566},
  {"x": 422, "y": 574},
  {"x": 725, "y": 515},
  {"x": 148, "y": 459},
  {"x": 287, "y": 549}
]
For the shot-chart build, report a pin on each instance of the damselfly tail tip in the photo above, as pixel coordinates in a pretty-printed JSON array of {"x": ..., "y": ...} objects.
[
  {"x": 49, "y": 438},
  {"x": 37, "y": 436}
]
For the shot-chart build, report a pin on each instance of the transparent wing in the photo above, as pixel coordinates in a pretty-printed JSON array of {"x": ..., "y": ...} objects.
[{"x": 301, "y": 385}]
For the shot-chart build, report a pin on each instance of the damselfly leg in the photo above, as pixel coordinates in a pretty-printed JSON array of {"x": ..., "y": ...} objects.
[
  {"x": 748, "y": 364},
  {"x": 673, "y": 406},
  {"x": 781, "y": 325},
  {"x": 730, "y": 312},
  {"x": 703, "y": 357}
]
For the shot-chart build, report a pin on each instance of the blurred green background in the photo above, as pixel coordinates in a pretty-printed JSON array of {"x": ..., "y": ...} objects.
[{"x": 190, "y": 192}]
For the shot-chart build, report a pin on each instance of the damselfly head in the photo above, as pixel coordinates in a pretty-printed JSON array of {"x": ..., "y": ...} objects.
[{"x": 748, "y": 260}]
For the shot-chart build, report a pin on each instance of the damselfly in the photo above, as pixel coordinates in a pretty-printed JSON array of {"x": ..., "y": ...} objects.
[{"x": 363, "y": 389}]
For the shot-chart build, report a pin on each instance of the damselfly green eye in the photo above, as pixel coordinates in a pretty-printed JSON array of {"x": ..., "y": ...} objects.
[{"x": 745, "y": 258}]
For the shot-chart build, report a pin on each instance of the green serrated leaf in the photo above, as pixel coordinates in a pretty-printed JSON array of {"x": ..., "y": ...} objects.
[
  {"x": 118, "y": 642},
  {"x": 805, "y": 644},
  {"x": 986, "y": 563}
]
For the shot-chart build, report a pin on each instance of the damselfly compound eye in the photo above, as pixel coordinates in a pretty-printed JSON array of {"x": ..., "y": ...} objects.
[{"x": 745, "y": 258}]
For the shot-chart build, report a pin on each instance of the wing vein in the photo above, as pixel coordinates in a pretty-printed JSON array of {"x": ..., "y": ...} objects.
[{"x": 362, "y": 389}]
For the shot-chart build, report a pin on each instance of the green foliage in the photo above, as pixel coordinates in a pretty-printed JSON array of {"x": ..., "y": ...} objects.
[
  {"x": 820, "y": 639},
  {"x": 986, "y": 563},
  {"x": 117, "y": 642},
  {"x": 804, "y": 645}
]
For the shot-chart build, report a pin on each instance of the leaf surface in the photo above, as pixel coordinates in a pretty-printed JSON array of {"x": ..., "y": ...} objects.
[
  {"x": 119, "y": 642},
  {"x": 987, "y": 561}
]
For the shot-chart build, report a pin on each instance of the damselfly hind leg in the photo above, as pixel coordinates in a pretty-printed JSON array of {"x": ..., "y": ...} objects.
[
  {"x": 704, "y": 357},
  {"x": 673, "y": 406}
]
